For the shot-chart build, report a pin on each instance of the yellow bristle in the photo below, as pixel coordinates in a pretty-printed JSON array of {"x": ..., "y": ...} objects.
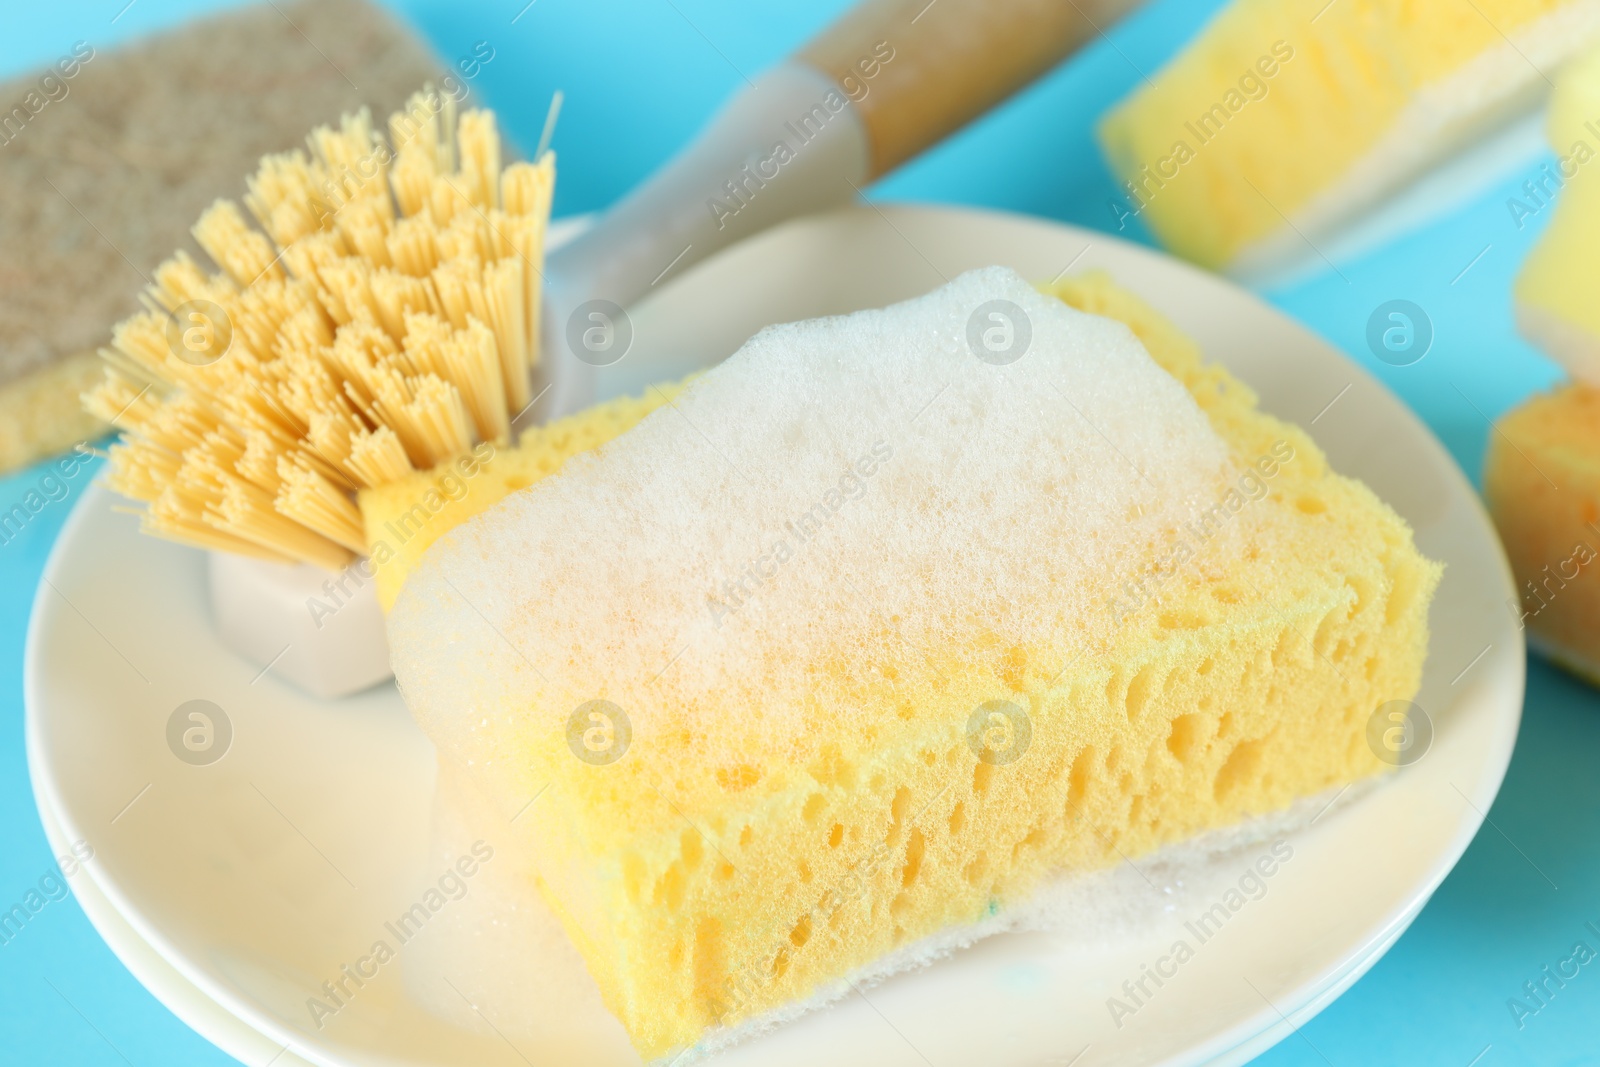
[
  {"x": 505, "y": 291},
  {"x": 286, "y": 197},
  {"x": 467, "y": 358},
  {"x": 377, "y": 457},
  {"x": 345, "y": 291},
  {"x": 181, "y": 423},
  {"x": 179, "y": 515},
  {"x": 355, "y": 354},
  {"x": 479, "y": 145},
  {"x": 261, "y": 316},
  {"x": 261, "y": 461},
  {"x": 257, "y": 403},
  {"x": 526, "y": 188},
  {"x": 246, "y": 512},
  {"x": 180, "y": 279},
  {"x": 412, "y": 246},
  {"x": 355, "y": 160},
  {"x": 142, "y": 338},
  {"x": 246, "y": 255},
  {"x": 309, "y": 254},
  {"x": 316, "y": 503},
  {"x": 444, "y": 199},
  {"x": 459, "y": 283},
  {"x": 308, "y": 329},
  {"x": 123, "y": 402},
  {"x": 398, "y": 295},
  {"x": 332, "y": 434},
  {"x": 140, "y": 470},
  {"x": 421, "y": 129},
  {"x": 522, "y": 239},
  {"x": 365, "y": 227},
  {"x": 468, "y": 235},
  {"x": 411, "y": 178},
  {"x": 425, "y": 412}
]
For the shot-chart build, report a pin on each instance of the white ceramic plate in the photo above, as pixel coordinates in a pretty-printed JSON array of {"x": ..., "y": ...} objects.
[{"x": 235, "y": 889}]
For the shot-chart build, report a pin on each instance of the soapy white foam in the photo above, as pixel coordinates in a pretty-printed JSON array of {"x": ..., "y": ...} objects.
[
  {"x": 500, "y": 945},
  {"x": 860, "y": 491}
]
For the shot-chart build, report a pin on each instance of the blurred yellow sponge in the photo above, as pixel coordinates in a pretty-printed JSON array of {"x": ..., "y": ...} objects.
[
  {"x": 1286, "y": 118},
  {"x": 1542, "y": 470},
  {"x": 715, "y": 861},
  {"x": 404, "y": 517},
  {"x": 1555, "y": 290},
  {"x": 1542, "y": 482}
]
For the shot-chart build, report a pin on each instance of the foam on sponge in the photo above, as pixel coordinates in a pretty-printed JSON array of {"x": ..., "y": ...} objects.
[
  {"x": 888, "y": 625},
  {"x": 402, "y": 518}
]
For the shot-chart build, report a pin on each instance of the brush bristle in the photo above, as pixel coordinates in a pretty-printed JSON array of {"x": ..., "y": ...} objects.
[{"x": 379, "y": 317}]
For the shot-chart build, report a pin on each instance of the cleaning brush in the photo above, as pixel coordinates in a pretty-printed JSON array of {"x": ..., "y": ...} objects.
[{"x": 380, "y": 318}]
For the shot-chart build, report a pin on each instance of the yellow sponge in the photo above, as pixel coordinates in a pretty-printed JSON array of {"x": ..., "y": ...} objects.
[
  {"x": 402, "y": 518},
  {"x": 1542, "y": 471},
  {"x": 715, "y": 862},
  {"x": 1554, "y": 291},
  {"x": 1542, "y": 483},
  {"x": 1285, "y": 118}
]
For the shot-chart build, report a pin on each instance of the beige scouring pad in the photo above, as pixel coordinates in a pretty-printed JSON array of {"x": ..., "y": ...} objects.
[{"x": 104, "y": 170}]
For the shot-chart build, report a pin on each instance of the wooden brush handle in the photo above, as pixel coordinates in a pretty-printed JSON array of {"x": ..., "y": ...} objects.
[{"x": 951, "y": 61}]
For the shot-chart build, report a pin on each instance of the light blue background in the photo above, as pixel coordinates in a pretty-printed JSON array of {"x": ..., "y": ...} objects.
[{"x": 640, "y": 76}]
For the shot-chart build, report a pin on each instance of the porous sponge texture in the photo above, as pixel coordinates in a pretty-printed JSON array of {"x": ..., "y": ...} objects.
[
  {"x": 1269, "y": 115},
  {"x": 404, "y": 517},
  {"x": 706, "y": 884},
  {"x": 1541, "y": 480}
]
